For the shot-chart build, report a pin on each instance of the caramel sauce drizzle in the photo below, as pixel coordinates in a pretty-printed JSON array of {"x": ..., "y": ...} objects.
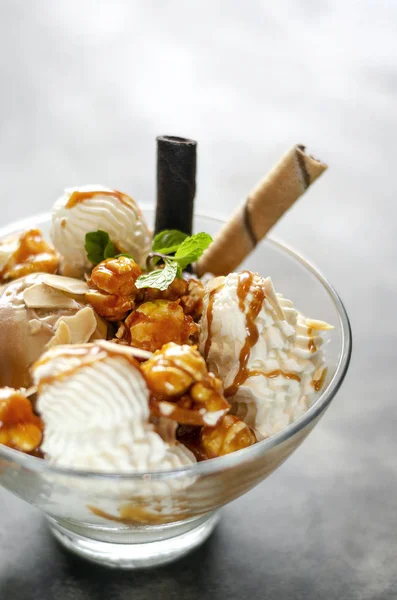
[
  {"x": 318, "y": 383},
  {"x": 277, "y": 373},
  {"x": 311, "y": 345},
  {"x": 78, "y": 197},
  {"x": 210, "y": 316},
  {"x": 258, "y": 296}
]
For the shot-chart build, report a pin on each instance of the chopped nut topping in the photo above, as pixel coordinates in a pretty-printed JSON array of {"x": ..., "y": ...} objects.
[
  {"x": 20, "y": 428},
  {"x": 182, "y": 389},
  {"x": 32, "y": 255}
]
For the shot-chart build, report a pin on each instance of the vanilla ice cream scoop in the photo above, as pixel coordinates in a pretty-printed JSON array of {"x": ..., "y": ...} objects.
[
  {"x": 267, "y": 354},
  {"x": 91, "y": 208},
  {"x": 94, "y": 402},
  {"x": 40, "y": 310}
]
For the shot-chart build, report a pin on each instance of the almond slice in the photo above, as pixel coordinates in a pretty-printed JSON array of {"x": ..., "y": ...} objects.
[
  {"x": 43, "y": 296},
  {"x": 61, "y": 337},
  {"x": 102, "y": 329},
  {"x": 69, "y": 285},
  {"x": 81, "y": 326},
  {"x": 320, "y": 325},
  {"x": 214, "y": 283},
  {"x": 127, "y": 350},
  {"x": 8, "y": 247},
  {"x": 271, "y": 297}
]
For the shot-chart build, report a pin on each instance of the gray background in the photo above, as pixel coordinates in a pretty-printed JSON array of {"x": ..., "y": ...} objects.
[{"x": 85, "y": 88}]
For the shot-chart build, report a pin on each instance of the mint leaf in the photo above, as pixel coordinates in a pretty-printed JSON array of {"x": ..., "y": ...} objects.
[
  {"x": 98, "y": 246},
  {"x": 187, "y": 250},
  {"x": 168, "y": 241},
  {"x": 159, "y": 279},
  {"x": 110, "y": 251},
  {"x": 192, "y": 248}
]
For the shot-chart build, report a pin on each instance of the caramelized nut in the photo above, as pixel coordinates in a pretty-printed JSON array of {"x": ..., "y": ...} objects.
[
  {"x": 20, "y": 428},
  {"x": 229, "y": 435},
  {"x": 167, "y": 381},
  {"x": 207, "y": 393},
  {"x": 113, "y": 290},
  {"x": 158, "y": 322},
  {"x": 173, "y": 369},
  {"x": 190, "y": 293},
  {"x": 32, "y": 255},
  {"x": 116, "y": 276},
  {"x": 182, "y": 388},
  {"x": 109, "y": 306}
]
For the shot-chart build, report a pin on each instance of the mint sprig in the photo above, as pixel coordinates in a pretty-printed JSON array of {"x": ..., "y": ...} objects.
[
  {"x": 168, "y": 241},
  {"x": 176, "y": 249},
  {"x": 99, "y": 247},
  {"x": 160, "y": 278},
  {"x": 192, "y": 248},
  {"x": 185, "y": 250}
]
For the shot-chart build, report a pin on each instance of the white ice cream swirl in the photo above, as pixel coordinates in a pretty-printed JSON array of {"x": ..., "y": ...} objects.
[
  {"x": 267, "y": 353},
  {"x": 85, "y": 209},
  {"x": 93, "y": 400}
]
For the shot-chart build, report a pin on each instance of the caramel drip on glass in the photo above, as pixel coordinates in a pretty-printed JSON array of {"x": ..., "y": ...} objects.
[
  {"x": 133, "y": 515},
  {"x": 78, "y": 197},
  {"x": 258, "y": 295}
]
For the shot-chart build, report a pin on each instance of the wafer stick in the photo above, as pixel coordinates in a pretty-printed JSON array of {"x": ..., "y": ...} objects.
[
  {"x": 267, "y": 202},
  {"x": 176, "y": 183}
]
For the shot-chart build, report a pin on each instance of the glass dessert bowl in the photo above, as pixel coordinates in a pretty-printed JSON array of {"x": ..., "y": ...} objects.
[{"x": 149, "y": 518}]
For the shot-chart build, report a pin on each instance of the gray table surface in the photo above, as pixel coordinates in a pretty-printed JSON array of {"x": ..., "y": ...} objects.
[{"x": 85, "y": 88}]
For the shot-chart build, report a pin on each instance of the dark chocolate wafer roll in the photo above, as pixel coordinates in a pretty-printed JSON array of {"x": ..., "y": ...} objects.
[
  {"x": 176, "y": 183},
  {"x": 267, "y": 202}
]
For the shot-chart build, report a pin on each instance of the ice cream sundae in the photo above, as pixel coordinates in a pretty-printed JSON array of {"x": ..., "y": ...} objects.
[{"x": 122, "y": 352}]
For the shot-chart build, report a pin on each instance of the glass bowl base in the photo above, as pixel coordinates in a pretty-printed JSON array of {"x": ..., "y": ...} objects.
[{"x": 170, "y": 544}]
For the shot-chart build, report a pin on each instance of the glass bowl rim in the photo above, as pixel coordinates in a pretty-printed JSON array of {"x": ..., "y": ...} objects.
[{"x": 221, "y": 463}]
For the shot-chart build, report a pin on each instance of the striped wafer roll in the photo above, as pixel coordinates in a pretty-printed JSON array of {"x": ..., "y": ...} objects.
[{"x": 267, "y": 202}]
